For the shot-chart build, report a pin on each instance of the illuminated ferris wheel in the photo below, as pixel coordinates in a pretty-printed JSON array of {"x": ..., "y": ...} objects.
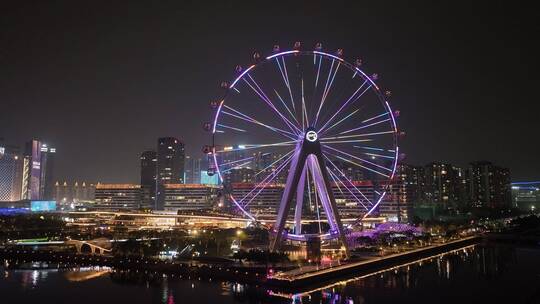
[{"x": 307, "y": 129}]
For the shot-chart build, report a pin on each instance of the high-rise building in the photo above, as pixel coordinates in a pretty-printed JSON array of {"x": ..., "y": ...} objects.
[
  {"x": 402, "y": 193},
  {"x": 38, "y": 171},
  {"x": 117, "y": 197},
  {"x": 442, "y": 184},
  {"x": 170, "y": 166},
  {"x": 149, "y": 178},
  {"x": 489, "y": 185},
  {"x": 10, "y": 173}
]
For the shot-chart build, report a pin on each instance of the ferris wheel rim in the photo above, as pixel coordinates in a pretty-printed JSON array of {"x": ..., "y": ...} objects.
[{"x": 373, "y": 86}]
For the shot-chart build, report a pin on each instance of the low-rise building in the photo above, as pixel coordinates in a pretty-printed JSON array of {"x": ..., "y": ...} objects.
[{"x": 117, "y": 197}]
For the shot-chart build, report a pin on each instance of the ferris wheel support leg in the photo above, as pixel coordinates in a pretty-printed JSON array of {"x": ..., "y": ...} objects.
[
  {"x": 332, "y": 202},
  {"x": 299, "y": 202},
  {"x": 293, "y": 178}
]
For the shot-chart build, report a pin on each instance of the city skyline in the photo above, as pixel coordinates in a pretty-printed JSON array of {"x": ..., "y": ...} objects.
[{"x": 443, "y": 74}]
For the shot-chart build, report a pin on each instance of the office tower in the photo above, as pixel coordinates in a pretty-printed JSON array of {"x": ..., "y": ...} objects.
[
  {"x": 10, "y": 173},
  {"x": 38, "y": 171},
  {"x": 170, "y": 165},
  {"x": 148, "y": 178},
  {"x": 489, "y": 185},
  {"x": 117, "y": 197}
]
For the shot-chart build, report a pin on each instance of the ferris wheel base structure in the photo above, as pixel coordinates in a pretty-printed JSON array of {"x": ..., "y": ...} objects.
[{"x": 307, "y": 159}]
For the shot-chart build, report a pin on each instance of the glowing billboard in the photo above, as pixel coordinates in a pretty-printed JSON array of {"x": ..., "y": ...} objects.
[{"x": 42, "y": 206}]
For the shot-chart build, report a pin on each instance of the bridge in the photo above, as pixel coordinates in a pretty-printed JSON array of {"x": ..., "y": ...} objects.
[
  {"x": 88, "y": 247},
  {"x": 98, "y": 246}
]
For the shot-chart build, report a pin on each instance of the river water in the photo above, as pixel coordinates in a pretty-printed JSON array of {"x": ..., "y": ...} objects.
[{"x": 476, "y": 274}]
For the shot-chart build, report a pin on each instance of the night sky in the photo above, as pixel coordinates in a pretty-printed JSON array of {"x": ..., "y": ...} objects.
[{"x": 102, "y": 81}]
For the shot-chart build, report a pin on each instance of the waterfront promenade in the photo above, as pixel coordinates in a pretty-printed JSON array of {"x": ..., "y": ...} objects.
[{"x": 310, "y": 276}]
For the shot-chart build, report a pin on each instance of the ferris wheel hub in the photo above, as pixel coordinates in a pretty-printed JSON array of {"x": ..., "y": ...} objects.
[{"x": 311, "y": 136}]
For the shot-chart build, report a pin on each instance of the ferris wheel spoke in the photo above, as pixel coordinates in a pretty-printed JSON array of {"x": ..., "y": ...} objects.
[
  {"x": 265, "y": 182},
  {"x": 237, "y": 166},
  {"x": 343, "y": 119},
  {"x": 327, "y": 87},
  {"x": 358, "y": 135},
  {"x": 272, "y": 164},
  {"x": 347, "y": 179},
  {"x": 235, "y": 161},
  {"x": 376, "y": 152},
  {"x": 239, "y": 115},
  {"x": 379, "y": 155},
  {"x": 288, "y": 82},
  {"x": 359, "y": 165},
  {"x": 256, "y": 146},
  {"x": 364, "y": 162},
  {"x": 359, "y": 158},
  {"x": 345, "y": 141},
  {"x": 338, "y": 181},
  {"x": 285, "y": 76},
  {"x": 231, "y": 128},
  {"x": 318, "y": 71},
  {"x": 366, "y": 126},
  {"x": 353, "y": 98},
  {"x": 286, "y": 107},
  {"x": 259, "y": 92},
  {"x": 304, "y": 110}
]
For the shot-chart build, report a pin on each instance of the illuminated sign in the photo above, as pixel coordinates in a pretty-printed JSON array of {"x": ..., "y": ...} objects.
[
  {"x": 311, "y": 136},
  {"x": 209, "y": 180},
  {"x": 41, "y": 206}
]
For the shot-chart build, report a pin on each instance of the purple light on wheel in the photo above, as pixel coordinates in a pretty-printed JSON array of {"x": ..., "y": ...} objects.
[
  {"x": 241, "y": 75},
  {"x": 282, "y": 53},
  {"x": 281, "y": 119}
]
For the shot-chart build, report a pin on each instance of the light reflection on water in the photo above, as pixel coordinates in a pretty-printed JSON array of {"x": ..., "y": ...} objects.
[{"x": 479, "y": 273}]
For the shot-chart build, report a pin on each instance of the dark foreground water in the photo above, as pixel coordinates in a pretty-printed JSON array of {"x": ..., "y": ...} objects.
[{"x": 478, "y": 274}]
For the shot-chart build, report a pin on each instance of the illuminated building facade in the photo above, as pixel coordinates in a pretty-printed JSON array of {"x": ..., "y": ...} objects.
[
  {"x": 207, "y": 179},
  {"x": 444, "y": 184},
  {"x": 264, "y": 204},
  {"x": 190, "y": 198},
  {"x": 38, "y": 171},
  {"x": 117, "y": 197},
  {"x": 526, "y": 195},
  {"x": 10, "y": 173},
  {"x": 193, "y": 168},
  {"x": 346, "y": 199},
  {"x": 170, "y": 166},
  {"x": 238, "y": 175},
  {"x": 67, "y": 193}
]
